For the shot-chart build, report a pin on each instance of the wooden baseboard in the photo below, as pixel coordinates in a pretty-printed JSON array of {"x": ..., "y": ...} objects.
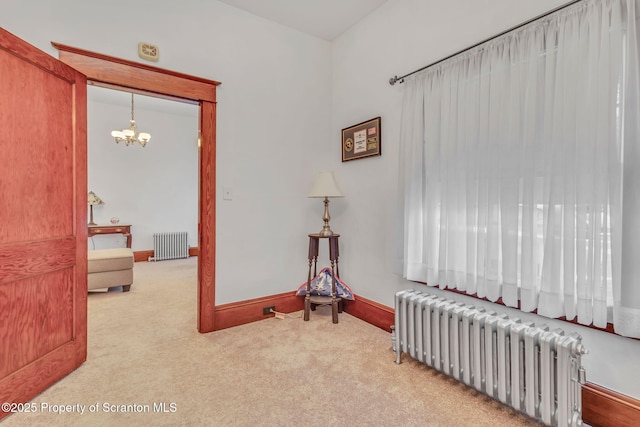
[
  {"x": 143, "y": 256},
  {"x": 371, "y": 312},
  {"x": 602, "y": 407},
  {"x": 241, "y": 312}
]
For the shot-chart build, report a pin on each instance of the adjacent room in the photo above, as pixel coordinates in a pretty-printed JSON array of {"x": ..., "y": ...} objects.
[
  {"x": 152, "y": 188},
  {"x": 430, "y": 189}
]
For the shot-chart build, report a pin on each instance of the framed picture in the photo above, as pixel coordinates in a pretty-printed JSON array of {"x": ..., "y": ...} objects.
[{"x": 362, "y": 140}]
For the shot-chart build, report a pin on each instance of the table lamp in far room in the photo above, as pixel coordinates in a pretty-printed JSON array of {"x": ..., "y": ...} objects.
[
  {"x": 325, "y": 185},
  {"x": 93, "y": 200}
]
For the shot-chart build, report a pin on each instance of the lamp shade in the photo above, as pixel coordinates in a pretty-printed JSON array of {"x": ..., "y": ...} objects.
[
  {"x": 325, "y": 185},
  {"x": 94, "y": 199}
]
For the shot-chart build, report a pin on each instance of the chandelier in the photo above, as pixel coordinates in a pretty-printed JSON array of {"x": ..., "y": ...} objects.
[{"x": 129, "y": 136}]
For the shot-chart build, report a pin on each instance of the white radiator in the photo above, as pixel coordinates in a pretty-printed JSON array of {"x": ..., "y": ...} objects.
[
  {"x": 170, "y": 246},
  {"x": 528, "y": 367}
]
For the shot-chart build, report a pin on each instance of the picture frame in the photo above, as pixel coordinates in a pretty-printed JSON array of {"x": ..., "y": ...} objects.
[{"x": 362, "y": 140}]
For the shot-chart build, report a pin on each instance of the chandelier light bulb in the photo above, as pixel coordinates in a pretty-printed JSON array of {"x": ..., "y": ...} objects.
[{"x": 128, "y": 136}]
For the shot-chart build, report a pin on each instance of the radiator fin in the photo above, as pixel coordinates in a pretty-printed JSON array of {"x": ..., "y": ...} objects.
[
  {"x": 172, "y": 245},
  {"x": 531, "y": 368}
]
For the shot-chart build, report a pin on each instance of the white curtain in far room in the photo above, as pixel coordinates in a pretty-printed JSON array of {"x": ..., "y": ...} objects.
[{"x": 520, "y": 168}]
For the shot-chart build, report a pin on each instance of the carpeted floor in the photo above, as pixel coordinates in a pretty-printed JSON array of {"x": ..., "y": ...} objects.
[{"x": 148, "y": 365}]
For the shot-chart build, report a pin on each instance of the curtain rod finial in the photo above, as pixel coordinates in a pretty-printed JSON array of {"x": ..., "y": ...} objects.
[{"x": 395, "y": 79}]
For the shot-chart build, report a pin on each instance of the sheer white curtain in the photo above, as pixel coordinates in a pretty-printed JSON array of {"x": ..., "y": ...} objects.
[{"x": 520, "y": 168}]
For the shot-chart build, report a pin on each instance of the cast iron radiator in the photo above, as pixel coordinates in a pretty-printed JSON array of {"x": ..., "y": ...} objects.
[
  {"x": 170, "y": 246},
  {"x": 531, "y": 368}
]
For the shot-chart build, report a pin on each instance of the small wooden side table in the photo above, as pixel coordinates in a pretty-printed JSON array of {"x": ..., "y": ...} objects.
[
  {"x": 314, "y": 242},
  {"x": 125, "y": 230}
]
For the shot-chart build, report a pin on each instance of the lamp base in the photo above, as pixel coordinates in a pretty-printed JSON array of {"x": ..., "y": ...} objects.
[
  {"x": 326, "y": 232},
  {"x": 91, "y": 216}
]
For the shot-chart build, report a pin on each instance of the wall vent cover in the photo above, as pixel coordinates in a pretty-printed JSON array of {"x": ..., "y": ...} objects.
[{"x": 148, "y": 51}]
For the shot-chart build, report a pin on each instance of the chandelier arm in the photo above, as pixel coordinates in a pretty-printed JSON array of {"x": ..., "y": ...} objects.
[{"x": 129, "y": 136}]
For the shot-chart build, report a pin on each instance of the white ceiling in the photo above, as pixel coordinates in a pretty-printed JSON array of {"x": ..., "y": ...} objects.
[{"x": 326, "y": 19}]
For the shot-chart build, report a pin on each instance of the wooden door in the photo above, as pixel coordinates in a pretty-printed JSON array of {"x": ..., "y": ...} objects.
[{"x": 43, "y": 220}]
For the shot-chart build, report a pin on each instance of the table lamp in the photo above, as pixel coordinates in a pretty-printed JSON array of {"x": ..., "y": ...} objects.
[
  {"x": 325, "y": 185},
  {"x": 93, "y": 200}
]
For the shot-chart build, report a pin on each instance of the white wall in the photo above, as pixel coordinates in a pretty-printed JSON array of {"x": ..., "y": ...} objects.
[
  {"x": 397, "y": 38},
  {"x": 273, "y": 117},
  {"x": 155, "y": 188}
]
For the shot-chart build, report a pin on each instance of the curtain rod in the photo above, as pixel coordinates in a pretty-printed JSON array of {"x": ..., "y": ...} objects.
[{"x": 393, "y": 80}]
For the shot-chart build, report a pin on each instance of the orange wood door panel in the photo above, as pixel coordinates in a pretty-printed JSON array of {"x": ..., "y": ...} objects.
[
  {"x": 43, "y": 210},
  {"x": 43, "y": 306},
  {"x": 38, "y": 196}
]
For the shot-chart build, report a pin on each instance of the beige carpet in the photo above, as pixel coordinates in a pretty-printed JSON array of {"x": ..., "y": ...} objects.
[{"x": 144, "y": 349}]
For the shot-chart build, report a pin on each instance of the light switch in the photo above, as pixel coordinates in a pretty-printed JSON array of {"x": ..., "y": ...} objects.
[{"x": 227, "y": 193}]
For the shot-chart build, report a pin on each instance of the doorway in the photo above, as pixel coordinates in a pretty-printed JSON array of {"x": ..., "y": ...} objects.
[
  {"x": 116, "y": 73},
  {"x": 152, "y": 188}
]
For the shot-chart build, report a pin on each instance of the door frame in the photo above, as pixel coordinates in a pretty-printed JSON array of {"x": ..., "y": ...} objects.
[{"x": 116, "y": 73}]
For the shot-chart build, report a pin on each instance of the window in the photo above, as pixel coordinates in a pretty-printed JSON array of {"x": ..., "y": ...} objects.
[{"x": 518, "y": 164}]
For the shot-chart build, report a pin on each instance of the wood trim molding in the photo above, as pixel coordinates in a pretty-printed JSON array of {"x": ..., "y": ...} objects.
[
  {"x": 143, "y": 256},
  {"x": 371, "y": 312},
  {"x": 207, "y": 218},
  {"x": 241, "y": 312},
  {"x": 602, "y": 407},
  {"x": 123, "y": 73}
]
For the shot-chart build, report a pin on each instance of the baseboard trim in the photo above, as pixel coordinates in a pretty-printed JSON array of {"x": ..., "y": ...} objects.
[
  {"x": 143, "y": 256},
  {"x": 371, "y": 312},
  {"x": 241, "y": 312},
  {"x": 602, "y": 407}
]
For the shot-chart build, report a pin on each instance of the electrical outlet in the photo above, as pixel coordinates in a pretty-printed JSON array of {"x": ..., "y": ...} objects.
[{"x": 268, "y": 310}]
